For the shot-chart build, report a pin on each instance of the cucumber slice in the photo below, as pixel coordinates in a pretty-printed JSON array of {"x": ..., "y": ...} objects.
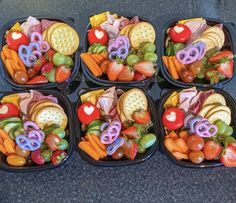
[
  {"x": 7, "y": 128},
  {"x": 94, "y": 132},
  {"x": 95, "y": 125},
  {"x": 5, "y": 121},
  {"x": 11, "y": 132},
  {"x": 96, "y": 49},
  {"x": 101, "y": 49}
]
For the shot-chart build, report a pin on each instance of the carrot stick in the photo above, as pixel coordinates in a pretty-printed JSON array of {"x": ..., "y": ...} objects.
[
  {"x": 179, "y": 155},
  {"x": 99, "y": 57},
  {"x": 14, "y": 65},
  {"x": 183, "y": 134},
  {"x": 172, "y": 68},
  {"x": 1, "y": 141},
  {"x": 181, "y": 145},
  {"x": 170, "y": 144},
  {"x": 91, "y": 64},
  {"x": 165, "y": 60},
  {"x": 101, "y": 153},
  {"x": 179, "y": 66},
  {"x": 96, "y": 139},
  {"x": 3, "y": 58},
  {"x": 21, "y": 64},
  {"x": 14, "y": 55},
  {"x": 3, "y": 134},
  {"x": 173, "y": 135},
  {"x": 2, "y": 149},
  {"x": 9, "y": 68},
  {"x": 6, "y": 51},
  {"x": 104, "y": 55},
  {"x": 95, "y": 58},
  {"x": 9, "y": 148},
  {"x": 86, "y": 147}
]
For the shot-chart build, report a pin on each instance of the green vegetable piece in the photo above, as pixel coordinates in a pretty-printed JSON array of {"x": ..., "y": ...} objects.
[
  {"x": 229, "y": 131},
  {"x": 211, "y": 52},
  {"x": 147, "y": 140},
  {"x": 60, "y": 132},
  {"x": 47, "y": 154},
  {"x": 141, "y": 149},
  {"x": 177, "y": 47}
]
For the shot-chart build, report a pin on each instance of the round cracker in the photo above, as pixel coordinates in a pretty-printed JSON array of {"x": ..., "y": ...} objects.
[
  {"x": 51, "y": 115},
  {"x": 133, "y": 100},
  {"x": 215, "y": 98},
  {"x": 215, "y": 38},
  {"x": 46, "y": 104},
  {"x": 50, "y": 29},
  {"x": 218, "y": 108},
  {"x": 64, "y": 39},
  {"x": 220, "y": 115},
  {"x": 122, "y": 32},
  {"x": 209, "y": 42},
  {"x": 142, "y": 32},
  {"x": 35, "y": 104},
  {"x": 128, "y": 30},
  {"x": 206, "y": 109},
  {"x": 218, "y": 31}
]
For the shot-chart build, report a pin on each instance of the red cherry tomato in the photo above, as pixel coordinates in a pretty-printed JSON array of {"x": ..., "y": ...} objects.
[
  {"x": 173, "y": 118},
  {"x": 15, "y": 39},
  {"x": 87, "y": 113},
  {"x": 53, "y": 141},
  {"x": 97, "y": 35},
  {"x": 58, "y": 156},
  {"x": 180, "y": 33}
]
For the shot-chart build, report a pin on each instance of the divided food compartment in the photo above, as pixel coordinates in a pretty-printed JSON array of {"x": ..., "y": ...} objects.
[
  {"x": 229, "y": 44},
  {"x": 111, "y": 162},
  {"x": 65, "y": 104},
  {"x": 186, "y": 163},
  {"x": 75, "y": 69},
  {"x": 103, "y": 81}
]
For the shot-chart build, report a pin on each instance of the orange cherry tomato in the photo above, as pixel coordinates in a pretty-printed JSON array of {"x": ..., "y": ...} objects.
[
  {"x": 16, "y": 160},
  {"x": 21, "y": 152}
]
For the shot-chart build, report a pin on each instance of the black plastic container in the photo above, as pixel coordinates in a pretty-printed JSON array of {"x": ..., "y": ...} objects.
[
  {"x": 186, "y": 163},
  {"x": 104, "y": 81},
  {"x": 228, "y": 29},
  {"x": 65, "y": 103},
  {"x": 123, "y": 162},
  {"x": 75, "y": 69}
]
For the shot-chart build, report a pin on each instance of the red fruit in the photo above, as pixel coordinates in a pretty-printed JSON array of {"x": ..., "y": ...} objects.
[
  {"x": 139, "y": 76},
  {"x": 222, "y": 55},
  {"x": 226, "y": 69},
  {"x": 131, "y": 132},
  {"x": 32, "y": 73},
  {"x": 145, "y": 68},
  {"x": 37, "y": 158},
  {"x": 126, "y": 75},
  {"x": 229, "y": 157},
  {"x": 62, "y": 73},
  {"x": 211, "y": 150},
  {"x": 39, "y": 63},
  {"x": 15, "y": 39},
  {"x": 58, "y": 156},
  {"x": 9, "y": 110},
  {"x": 97, "y": 35},
  {"x": 39, "y": 79},
  {"x": 114, "y": 70},
  {"x": 49, "y": 55},
  {"x": 87, "y": 113},
  {"x": 53, "y": 141},
  {"x": 46, "y": 68},
  {"x": 142, "y": 117},
  {"x": 180, "y": 33},
  {"x": 130, "y": 149}
]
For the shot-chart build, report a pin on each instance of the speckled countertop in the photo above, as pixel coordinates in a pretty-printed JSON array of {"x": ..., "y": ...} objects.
[{"x": 156, "y": 180}]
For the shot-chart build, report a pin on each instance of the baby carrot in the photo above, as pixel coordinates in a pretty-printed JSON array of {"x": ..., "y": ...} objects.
[
  {"x": 14, "y": 55},
  {"x": 92, "y": 65},
  {"x": 104, "y": 55},
  {"x": 181, "y": 145},
  {"x": 179, "y": 66},
  {"x": 87, "y": 148},
  {"x": 6, "y": 51},
  {"x": 3, "y": 58},
  {"x": 172, "y": 68},
  {"x": 165, "y": 61},
  {"x": 179, "y": 155},
  {"x": 170, "y": 144},
  {"x": 2, "y": 149},
  {"x": 96, "y": 139},
  {"x": 8, "y": 146},
  {"x": 184, "y": 134},
  {"x": 22, "y": 65},
  {"x": 101, "y": 153},
  {"x": 14, "y": 65},
  {"x": 94, "y": 57}
]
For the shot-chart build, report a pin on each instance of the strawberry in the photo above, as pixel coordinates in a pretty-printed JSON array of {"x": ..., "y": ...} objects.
[
  {"x": 62, "y": 73},
  {"x": 126, "y": 75},
  {"x": 46, "y": 68},
  {"x": 141, "y": 117},
  {"x": 139, "y": 76},
  {"x": 229, "y": 158},
  {"x": 49, "y": 55},
  {"x": 39, "y": 63},
  {"x": 223, "y": 55},
  {"x": 145, "y": 67},
  {"x": 114, "y": 70},
  {"x": 212, "y": 150},
  {"x": 130, "y": 149},
  {"x": 131, "y": 132},
  {"x": 226, "y": 69}
]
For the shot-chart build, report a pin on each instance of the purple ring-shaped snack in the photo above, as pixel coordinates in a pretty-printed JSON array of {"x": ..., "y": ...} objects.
[
  {"x": 37, "y": 135},
  {"x": 44, "y": 47},
  {"x": 201, "y": 46},
  {"x": 34, "y": 46},
  {"x": 27, "y": 144},
  {"x": 36, "y": 37},
  {"x": 111, "y": 149},
  {"x": 30, "y": 125},
  {"x": 36, "y": 53}
]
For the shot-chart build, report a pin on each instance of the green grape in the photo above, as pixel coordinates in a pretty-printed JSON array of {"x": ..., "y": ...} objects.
[
  {"x": 150, "y": 57},
  {"x": 148, "y": 47},
  {"x": 132, "y": 59},
  {"x": 229, "y": 131},
  {"x": 222, "y": 127}
]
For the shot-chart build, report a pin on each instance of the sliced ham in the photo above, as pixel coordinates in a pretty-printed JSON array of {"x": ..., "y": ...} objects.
[
  {"x": 185, "y": 98},
  {"x": 29, "y": 22},
  {"x": 107, "y": 101},
  {"x": 112, "y": 30},
  {"x": 46, "y": 24},
  {"x": 35, "y": 28}
]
